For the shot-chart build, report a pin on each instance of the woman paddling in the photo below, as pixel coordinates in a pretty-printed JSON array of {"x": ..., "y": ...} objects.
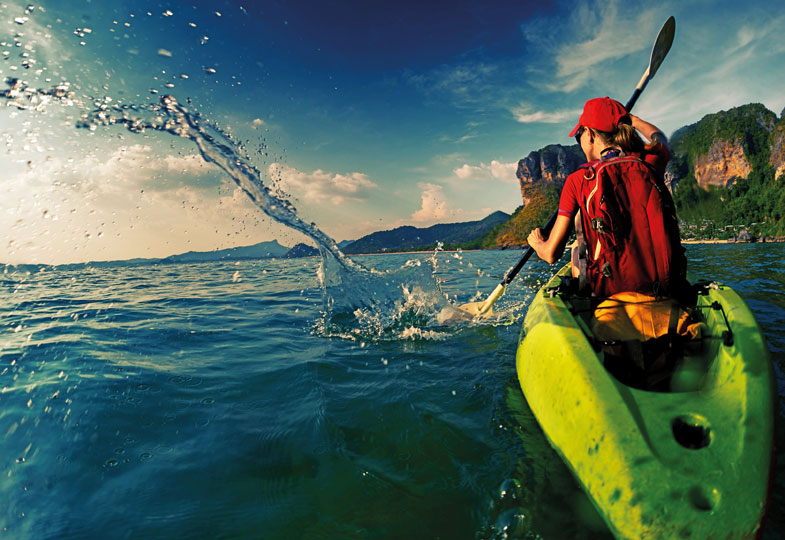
[
  {"x": 627, "y": 214},
  {"x": 634, "y": 260}
]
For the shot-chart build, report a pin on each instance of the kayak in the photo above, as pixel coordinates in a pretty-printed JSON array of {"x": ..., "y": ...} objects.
[{"x": 690, "y": 461}]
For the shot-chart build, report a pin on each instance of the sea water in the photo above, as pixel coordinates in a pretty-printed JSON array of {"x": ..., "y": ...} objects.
[
  {"x": 328, "y": 397},
  {"x": 211, "y": 401}
]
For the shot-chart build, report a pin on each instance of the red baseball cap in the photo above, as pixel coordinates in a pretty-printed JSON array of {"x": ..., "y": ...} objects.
[{"x": 602, "y": 114}]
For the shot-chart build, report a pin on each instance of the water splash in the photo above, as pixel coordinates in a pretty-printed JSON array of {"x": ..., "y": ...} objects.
[{"x": 359, "y": 303}]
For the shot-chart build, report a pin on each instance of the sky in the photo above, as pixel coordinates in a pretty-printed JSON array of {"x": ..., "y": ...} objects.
[{"x": 364, "y": 115}]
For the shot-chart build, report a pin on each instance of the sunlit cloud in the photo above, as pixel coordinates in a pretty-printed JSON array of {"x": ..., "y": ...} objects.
[
  {"x": 66, "y": 209},
  {"x": 320, "y": 186},
  {"x": 526, "y": 114},
  {"x": 434, "y": 204},
  {"x": 495, "y": 170},
  {"x": 135, "y": 167}
]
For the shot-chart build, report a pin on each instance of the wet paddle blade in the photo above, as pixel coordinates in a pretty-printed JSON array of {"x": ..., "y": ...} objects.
[
  {"x": 485, "y": 308},
  {"x": 473, "y": 309}
]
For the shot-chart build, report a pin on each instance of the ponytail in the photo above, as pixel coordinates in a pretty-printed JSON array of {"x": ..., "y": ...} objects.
[{"x": 625, "y": 137}]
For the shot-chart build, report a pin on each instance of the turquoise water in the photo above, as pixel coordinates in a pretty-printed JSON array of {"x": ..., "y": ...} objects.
[{"x": 229, "y": 400}]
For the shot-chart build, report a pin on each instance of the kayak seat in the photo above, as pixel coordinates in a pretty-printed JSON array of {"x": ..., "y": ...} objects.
[{"x": 644, "y": 339}]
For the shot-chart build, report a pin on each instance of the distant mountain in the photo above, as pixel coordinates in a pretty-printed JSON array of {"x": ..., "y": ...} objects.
[
  {"x": 410, "y": 238},
  {"x": 263, "y": 250},
  {"x": 301, "y": 250}
]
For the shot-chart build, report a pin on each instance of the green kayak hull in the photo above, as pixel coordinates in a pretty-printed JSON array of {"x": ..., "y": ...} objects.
[{"x": 694, "y": 462}]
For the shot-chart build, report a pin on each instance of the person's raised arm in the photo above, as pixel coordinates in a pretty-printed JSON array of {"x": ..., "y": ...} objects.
[{"x": 648, "y": 130}]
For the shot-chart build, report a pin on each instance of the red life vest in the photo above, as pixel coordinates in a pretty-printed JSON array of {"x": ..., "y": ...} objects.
[{"x": 631, "y": 230}]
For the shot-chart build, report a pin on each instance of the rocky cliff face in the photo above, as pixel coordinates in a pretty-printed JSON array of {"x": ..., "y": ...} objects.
[
  {"x": 722, "y": 165},
  {"x": 550, "y": 165},
  {"x": 721, "y": 147},
  {"x": 778, "y": 147}
]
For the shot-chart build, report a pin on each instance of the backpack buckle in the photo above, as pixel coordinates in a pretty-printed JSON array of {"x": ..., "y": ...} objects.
[{"x": 598, "y": 225}]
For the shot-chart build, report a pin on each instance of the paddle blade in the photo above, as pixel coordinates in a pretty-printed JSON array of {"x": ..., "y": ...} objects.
[
  {"x": 662, "y": 45},
  {"x": 484, "y": 309},
  {"x": 473, "y": 309}
]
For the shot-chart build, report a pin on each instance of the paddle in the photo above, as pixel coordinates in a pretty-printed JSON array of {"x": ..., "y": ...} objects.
[{"x": 661, "y": 47}]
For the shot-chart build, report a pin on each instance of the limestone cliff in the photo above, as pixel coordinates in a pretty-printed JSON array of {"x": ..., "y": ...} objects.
[
  {"x": 550, "y": 166},
  {"x": 722, "y": 147},
  {"x": 722, "y": 165},
  {"x": 777, "y": 160}
]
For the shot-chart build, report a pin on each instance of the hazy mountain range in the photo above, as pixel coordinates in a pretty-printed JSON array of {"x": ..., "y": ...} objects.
[{"x": 399, "y": 239}]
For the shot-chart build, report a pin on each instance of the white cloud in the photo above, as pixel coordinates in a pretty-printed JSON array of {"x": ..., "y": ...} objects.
[
  {"x": 434, "y": 205},
  {"x": 125, "y": 202},
  {"x": 134, "y": 167},
  {"x": 525, "y": 114},
  {"x": 468, "y": 84},
  {"x": 595, "y": 33},
  {"x": 320, "y": 186},
  {"x": 495, "y": 170},
  {"x": 42, "y": 46}
]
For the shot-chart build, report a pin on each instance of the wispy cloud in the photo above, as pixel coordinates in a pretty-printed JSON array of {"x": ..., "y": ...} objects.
[
  {"x": 527, "y": 114},
  {"x": 466, "y": 83},
  {"x": 495, "y": 170},
  {"x": 595, "y": 33},
  {"x": 320, "y": 186}
]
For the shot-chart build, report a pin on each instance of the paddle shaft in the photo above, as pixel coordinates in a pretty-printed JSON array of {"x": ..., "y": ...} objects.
[
  {"x": 529, "y": 252},
  {"x": 661, "y": 47},
  {"x": 512, "y": 272}
]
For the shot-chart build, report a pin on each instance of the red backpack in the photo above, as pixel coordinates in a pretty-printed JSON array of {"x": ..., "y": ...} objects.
[{"x": 631, "y": 230}]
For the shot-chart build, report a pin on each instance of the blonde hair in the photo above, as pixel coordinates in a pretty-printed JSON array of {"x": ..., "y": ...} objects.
[{"x": 627, "y": 138}]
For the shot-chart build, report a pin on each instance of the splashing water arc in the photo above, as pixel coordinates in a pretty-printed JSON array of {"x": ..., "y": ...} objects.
[
  {"x": 359, "y": 302},
  {"x": 183, "y": 123}
]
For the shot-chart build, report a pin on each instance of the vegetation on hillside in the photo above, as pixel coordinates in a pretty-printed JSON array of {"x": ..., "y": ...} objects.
[
  {"x": 544, "y": 199},
  {"x": 755, "y": 203}
]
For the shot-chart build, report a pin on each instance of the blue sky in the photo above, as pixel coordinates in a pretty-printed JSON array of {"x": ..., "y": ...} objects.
[{"x": 367, "y": 115}]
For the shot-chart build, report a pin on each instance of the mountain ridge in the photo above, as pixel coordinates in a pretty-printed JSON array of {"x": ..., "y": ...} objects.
[{"x": 410, "y": 238}]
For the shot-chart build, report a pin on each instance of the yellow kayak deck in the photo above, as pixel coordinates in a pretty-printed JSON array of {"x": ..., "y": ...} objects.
[{"x": 692, "y": 463}]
